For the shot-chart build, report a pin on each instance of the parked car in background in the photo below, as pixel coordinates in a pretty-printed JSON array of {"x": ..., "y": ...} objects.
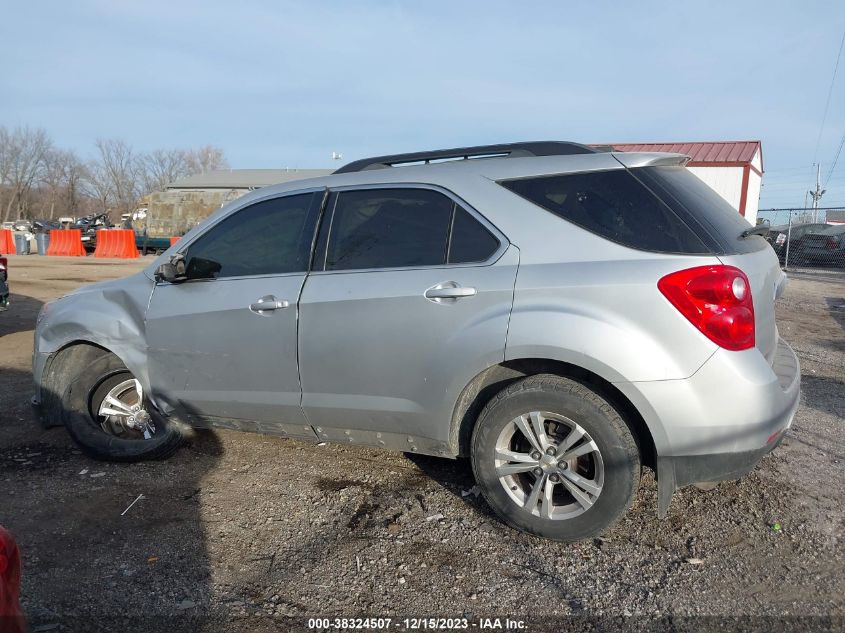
[
  {"x": 559, "y": 315},
  {"x": 824, "y": 246},
  {"x": 778, "y": 236},
  {"x": 89, "y": 225},
  {"x": 4, "y": 283}
]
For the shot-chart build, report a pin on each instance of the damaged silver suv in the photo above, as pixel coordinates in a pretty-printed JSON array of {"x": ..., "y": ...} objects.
[{"x": 560, "y": 315}]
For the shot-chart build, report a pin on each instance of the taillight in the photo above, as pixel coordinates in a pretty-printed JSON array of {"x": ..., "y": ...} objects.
[
  {"x": 4, "y": 263},
  {"x": 716, "y": 300}
]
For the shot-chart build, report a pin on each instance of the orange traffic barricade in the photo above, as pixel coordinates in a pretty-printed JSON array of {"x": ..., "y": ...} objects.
[
  {"x": 116, "y": 243},
  {"x": 66, "y": 243},
  {"x": 7, "y": 242},
  {"x": 105, "y": 244},
  {"x": 173, "y": 240}
]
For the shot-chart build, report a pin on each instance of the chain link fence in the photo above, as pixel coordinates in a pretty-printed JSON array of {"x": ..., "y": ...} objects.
[{"x": 812, "y": 239}]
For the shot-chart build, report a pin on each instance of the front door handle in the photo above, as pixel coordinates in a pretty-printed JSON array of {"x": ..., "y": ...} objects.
[
  {"x": 449, "y": 290},
  {"x": 268, "y": 303}
]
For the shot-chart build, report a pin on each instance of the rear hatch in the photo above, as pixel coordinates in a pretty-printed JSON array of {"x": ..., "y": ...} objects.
[{"x": 721, "y": 229}]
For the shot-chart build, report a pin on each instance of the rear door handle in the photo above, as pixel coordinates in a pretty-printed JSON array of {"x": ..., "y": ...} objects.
[
  {"x": 267, "y": 304},
  {"x": 449, "y": 290}
]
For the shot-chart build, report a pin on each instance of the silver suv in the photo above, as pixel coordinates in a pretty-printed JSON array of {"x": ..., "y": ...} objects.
[{"x": 560, "y": 315}]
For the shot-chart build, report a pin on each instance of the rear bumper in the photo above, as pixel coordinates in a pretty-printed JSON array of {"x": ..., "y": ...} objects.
[
  {"x": 719, "y": 423},
  {"x": 824, "y": 255},
  {"x": 691, "y": 469}
]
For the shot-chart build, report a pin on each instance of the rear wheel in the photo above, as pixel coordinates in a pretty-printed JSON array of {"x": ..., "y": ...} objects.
[
  {"x": 553, "y": 458},
  {"x": 106, "y": 413}
]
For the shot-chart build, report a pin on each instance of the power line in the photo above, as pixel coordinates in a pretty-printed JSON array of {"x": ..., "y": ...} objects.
[
  {"x": 836, "y": 158},
  {"x": 829, "y": 93}
]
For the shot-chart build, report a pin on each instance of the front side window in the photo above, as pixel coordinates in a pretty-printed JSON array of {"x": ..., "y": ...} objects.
[
  {"x": 388, "y": 228},
  {"x": 266, "y": 238}
]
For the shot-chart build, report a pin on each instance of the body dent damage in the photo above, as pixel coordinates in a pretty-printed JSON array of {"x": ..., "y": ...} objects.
[{"x": 109, "y": 315}]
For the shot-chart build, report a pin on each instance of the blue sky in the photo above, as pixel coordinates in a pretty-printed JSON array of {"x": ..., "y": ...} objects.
[{"x": 284, "y": 84}]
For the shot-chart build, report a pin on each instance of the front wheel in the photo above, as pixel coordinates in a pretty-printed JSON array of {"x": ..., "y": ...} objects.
[
  {"x": 106, "y": 413},
  {"x": 555, "y": 459}
]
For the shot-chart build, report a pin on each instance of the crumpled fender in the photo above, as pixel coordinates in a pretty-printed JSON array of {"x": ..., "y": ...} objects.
[{"x": 109, "y": 314}]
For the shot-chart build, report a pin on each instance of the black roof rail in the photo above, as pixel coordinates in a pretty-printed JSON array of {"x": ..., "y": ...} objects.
[{"x": 504, "y": 150}]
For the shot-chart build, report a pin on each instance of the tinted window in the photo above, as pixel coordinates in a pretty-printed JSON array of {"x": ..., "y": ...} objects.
[
  {"x": 612, "y": 204},
  {"x": 711, "y": 216},
  {"x": 266, "y": 238},
  {"x": 470, "y": 241},
  {"x": 388, "y": 228}
]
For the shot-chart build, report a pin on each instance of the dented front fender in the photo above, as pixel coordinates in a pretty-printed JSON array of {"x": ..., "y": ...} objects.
[{"x": 109, "y": 314}]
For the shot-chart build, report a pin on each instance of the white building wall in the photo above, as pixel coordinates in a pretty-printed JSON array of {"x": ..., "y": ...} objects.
[{"x": 726, "y": 181}]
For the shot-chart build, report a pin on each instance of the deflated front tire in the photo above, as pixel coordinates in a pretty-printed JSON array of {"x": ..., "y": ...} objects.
[{"x": 106, "y": 413}]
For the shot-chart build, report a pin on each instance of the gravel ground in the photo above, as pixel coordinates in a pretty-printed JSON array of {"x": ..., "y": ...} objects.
[{"x": 238, "y": 526}]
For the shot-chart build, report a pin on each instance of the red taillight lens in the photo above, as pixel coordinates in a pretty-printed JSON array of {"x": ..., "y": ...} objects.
[
  {"x": 716, "y": 300},
  {"x": 4, "y": 263}
]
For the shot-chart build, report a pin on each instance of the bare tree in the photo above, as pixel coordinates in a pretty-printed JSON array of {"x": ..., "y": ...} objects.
[
  {"x": 63, "y": 179},
  {"x": 32, "y": 172},
  {"x": 205, "y": 159},
  {"x": 163, "y": 166},
  {"x": 97, "y": 185},
  {"x": 22, "y": 154},
  {"x": 119, "y": 168}
]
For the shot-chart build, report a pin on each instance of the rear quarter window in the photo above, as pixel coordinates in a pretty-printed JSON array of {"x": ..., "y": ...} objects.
[
  {"x": 614, "y": 205},
  {"x": 712, "y": 218}
]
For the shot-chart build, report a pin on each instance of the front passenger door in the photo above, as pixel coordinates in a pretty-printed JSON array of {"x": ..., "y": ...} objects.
[{"x": 223, "y": 344}]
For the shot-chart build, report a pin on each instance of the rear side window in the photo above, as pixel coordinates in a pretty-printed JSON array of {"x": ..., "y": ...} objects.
[
  {"x": 267, "y": 238},
  {"x": 470, "y": 241},
  {"x": 388, "y": 228},
  {"x": 711, "y": 216},
  {"x": 612, "y": 204}
]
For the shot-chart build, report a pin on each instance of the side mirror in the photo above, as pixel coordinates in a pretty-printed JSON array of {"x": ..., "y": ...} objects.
[{"x": 173, "y": 271}]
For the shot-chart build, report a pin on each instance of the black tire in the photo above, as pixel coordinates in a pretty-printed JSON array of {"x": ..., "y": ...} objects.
[
  {"x": 80, "y": 401},
  {"x": 617, "y": 445}
]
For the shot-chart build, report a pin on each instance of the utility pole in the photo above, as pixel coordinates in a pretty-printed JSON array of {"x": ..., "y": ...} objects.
[{"x": 818, "y": 193}]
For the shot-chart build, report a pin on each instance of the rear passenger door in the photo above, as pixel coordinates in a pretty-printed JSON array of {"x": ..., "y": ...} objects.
[{"x": 408, "y": 299}]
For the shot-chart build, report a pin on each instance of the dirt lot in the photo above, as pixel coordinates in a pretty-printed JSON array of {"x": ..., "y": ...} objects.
[{"x": 237, "y": 526}]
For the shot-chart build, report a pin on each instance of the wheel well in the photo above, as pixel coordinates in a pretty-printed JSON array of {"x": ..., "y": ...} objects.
[
  {"x": 493, "y": 379},
  {"x": 58, "y": 372}
]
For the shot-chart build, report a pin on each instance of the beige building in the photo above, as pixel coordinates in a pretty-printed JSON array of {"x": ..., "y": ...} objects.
[{"x": 188, "y": 201}]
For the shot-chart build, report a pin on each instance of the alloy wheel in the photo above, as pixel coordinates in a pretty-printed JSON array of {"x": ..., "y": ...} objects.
[{"x": 549, "y": 465}]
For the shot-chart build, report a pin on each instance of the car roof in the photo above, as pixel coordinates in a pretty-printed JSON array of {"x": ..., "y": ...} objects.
[
  {"x": 496, "y": 168},
  {"x": 833, "y": 229}
]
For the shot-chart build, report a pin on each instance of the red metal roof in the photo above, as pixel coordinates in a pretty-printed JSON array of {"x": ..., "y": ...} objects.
[{"x": 732, "y": 152}]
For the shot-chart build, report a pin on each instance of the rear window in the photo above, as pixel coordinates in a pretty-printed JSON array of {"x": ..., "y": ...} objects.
[{"x": 616, "y": 206}]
